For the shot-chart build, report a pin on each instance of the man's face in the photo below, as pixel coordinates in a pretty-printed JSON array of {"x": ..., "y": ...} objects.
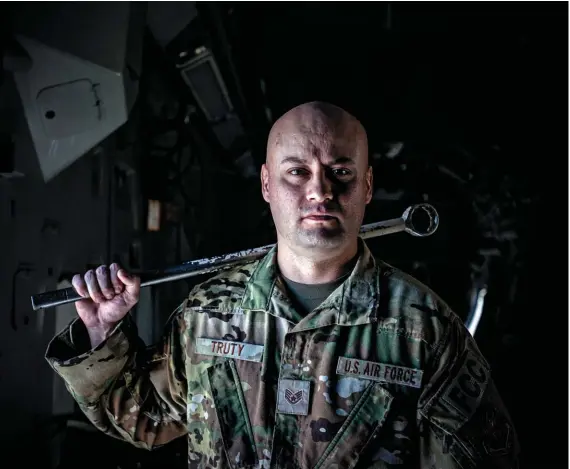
[{"x": 317, "y": 181}]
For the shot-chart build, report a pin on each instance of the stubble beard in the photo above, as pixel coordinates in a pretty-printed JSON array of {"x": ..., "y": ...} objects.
[{"x": 319, "y": 238}]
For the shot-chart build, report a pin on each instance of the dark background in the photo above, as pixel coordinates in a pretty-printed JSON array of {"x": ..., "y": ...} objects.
[{"x": 465, "y": 105}]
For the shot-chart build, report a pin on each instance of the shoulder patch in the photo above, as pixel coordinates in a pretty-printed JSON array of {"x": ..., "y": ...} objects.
[{"x": 465, "y": 391}]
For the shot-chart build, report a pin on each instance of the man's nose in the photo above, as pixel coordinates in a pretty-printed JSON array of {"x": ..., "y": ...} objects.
[{"x": 320, "y": 188}]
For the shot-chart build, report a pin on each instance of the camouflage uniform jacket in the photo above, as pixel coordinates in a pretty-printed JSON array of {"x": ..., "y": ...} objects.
[{"x": 381, "y": 374}]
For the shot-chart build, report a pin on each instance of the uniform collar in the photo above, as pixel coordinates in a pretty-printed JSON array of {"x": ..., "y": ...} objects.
[{"x": 354, "y": 302}]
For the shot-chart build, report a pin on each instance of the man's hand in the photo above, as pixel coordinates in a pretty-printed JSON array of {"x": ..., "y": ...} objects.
[{"x": 110, "y": 293}]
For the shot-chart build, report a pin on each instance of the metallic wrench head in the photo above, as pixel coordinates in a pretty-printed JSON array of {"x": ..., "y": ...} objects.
[{"x": 412, "y": 212}]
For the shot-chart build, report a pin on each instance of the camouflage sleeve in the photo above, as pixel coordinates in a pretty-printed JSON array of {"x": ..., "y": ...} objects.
[
  {"x": 464, "y": 422},
  {"x": 125, "y": 389}
]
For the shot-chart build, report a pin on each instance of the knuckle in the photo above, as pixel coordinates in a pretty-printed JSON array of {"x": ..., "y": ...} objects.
[{"x": 98, "y": 296}]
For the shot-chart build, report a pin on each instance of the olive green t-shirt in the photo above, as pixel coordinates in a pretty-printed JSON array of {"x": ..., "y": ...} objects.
[{"x": 307, "y": 297}]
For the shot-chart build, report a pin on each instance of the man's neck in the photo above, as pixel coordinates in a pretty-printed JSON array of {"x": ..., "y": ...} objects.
[{"x": 314, "y": 269}]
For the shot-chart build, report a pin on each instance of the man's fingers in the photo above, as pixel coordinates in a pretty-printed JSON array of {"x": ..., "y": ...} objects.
[
  {"x": 118, "y": 286},
  {"x": 79, "y": 284},
  {"x": 104, "y": 280},
  {"x": 93, "y": 287}
]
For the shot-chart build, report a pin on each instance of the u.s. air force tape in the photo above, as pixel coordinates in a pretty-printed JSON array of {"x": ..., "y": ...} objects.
[
  {"x": 379, "y": 372},
  {"x": 229, "y": 349}
]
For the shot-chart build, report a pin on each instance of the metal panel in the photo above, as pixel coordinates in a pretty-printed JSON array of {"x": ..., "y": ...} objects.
[
  {"x": 84, "y": 76},
  {"x": 203, "y": 77}
]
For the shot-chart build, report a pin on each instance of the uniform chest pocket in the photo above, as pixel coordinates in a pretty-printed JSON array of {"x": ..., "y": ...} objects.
[
  {"x": 234, "y": 424},
  {"x": 360, "y": 429}
]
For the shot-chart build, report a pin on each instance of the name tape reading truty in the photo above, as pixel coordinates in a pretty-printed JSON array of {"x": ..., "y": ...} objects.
[{"x": 229, "y": 349}]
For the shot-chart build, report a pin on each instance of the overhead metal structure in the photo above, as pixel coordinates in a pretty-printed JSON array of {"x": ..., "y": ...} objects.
[{"x": 81, "y": 80}]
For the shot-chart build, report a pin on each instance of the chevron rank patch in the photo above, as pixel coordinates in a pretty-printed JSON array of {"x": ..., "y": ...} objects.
[{"x": 293, "y": 396}]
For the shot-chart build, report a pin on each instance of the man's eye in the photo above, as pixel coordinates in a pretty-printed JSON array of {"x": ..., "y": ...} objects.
[
  {"x": 297, "y": 171},
  {"x": 340, "y": 172}
]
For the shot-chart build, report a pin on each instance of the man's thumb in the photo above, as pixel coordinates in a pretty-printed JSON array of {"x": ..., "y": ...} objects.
[{"x": 131, "y": 281}]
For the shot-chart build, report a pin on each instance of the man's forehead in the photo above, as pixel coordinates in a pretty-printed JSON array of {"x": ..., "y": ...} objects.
[
  {"x": 317, "y": 136},
  {"x": 310, "y": 138},
  {"x": 312, "y": 145},
  {"x": 316, "y": 129},
  {"x": 311, "y": 122}
]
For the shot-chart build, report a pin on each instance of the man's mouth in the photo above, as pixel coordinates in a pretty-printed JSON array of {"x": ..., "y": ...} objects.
[{"x": 320, "y": 217}]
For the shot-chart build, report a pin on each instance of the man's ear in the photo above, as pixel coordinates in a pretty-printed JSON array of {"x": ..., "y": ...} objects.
[
  {"x": 265, "y": 182},
  {"x": 369, "y": 184}
]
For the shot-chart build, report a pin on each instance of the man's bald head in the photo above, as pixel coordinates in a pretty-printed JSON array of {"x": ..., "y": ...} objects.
[
  {"x": 318, "y": 118},
  {"x": 317, "y": 179}
]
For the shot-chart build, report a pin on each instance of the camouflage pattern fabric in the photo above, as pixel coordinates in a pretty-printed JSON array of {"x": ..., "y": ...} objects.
[{"x": 382, "y": 374}]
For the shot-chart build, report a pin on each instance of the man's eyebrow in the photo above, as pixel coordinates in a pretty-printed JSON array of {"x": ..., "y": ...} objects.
[
  {"x": 297, "y": 160},
  {"x": 293, "y": 159},
  {"x": 343, "y": 160}
]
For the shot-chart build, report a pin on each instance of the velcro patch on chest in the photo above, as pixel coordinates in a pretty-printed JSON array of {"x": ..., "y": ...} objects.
[
  {"x": 229, "y": 349},
  {"x": 379, "y": 372}
]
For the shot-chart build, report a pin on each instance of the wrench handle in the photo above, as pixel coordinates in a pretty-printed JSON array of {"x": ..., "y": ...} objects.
[{"x": 404, "y": 223}]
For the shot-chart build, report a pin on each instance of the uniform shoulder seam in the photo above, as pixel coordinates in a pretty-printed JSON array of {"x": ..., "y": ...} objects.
[{"x": 416, "y": 285}]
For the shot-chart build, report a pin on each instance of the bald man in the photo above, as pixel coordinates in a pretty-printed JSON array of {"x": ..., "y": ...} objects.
[{"x": 315, "y": 356}]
